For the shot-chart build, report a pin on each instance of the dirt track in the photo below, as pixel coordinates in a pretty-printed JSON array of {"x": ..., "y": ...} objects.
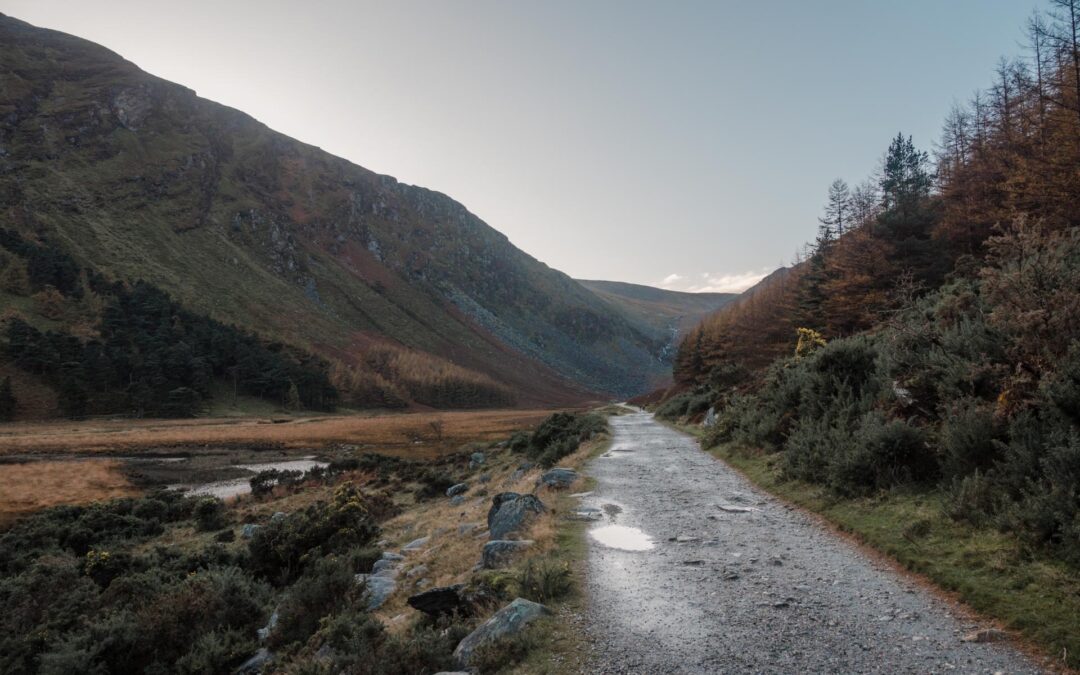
[{"x": 753, "y": 587}]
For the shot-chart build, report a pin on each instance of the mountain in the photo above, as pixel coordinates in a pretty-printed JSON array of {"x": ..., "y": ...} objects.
[
  {"x": 662, "y": 314},
  {"x": 137, "y": 178}
]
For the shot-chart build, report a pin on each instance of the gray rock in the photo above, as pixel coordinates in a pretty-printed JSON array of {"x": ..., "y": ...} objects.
[
  {"x": 390, "y": 555},
  {"x": 510, "y": 512},
  {"x": 457, "y": 500},
  {"x": 248, "y": 530},
  {"x": 710, "y": 418},
  {"x": 509, "y": 620},
  {"x": 419, "y": 570},
  {"x": 500, "y": 552},
  {"x": 383, "y": 564},
  {"x": 278, "y": 517},
  {"x": 456, "y": 489},
  {"x": 516, "y": 476},
  {"x": 256, "y": 663},
  {"x": 485, "y": 478},
  {"x": 525, "y": 466},
  {"x": 416, "y": 545},
  {"x": 559, "y": 477},
  {"x": 379, "y": 589},
  {"x": 476, "y": 459},
  {"x": 466, "y": 528}
]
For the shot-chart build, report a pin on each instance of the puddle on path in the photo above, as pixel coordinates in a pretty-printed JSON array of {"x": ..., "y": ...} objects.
[
  {"x": 622, "y": 537},
  {"x": 225, "y": 489}
]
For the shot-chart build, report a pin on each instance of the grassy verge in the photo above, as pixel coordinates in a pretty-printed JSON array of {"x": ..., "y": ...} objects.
[
  {"x": 560, "y": 644},
  {"x": 989, "y": 571}
]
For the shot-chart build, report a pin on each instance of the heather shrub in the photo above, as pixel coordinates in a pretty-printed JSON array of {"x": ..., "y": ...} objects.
[{"x": 281, "y": 549}]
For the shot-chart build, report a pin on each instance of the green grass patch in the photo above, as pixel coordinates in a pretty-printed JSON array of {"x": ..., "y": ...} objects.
[{"x": 990, "y": 571}]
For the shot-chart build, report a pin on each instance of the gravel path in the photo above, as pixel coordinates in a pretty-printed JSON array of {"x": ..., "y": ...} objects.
[{"x": 753, "y": 587}]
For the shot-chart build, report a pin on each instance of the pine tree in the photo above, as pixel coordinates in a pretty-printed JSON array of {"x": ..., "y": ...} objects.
[
  {"x": 837, "y": 218},
  {"x": 905, "y": 180}
]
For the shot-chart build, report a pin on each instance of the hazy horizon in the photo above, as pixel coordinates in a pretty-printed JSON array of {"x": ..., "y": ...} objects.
[{"x": 686, "y": 147}]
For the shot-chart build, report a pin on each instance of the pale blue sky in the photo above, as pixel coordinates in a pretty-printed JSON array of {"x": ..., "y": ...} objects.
[{"x": 610, "y": 139}]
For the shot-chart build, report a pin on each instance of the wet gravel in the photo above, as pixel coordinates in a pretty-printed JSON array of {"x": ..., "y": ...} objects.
[{"x": 739, "y": 583}]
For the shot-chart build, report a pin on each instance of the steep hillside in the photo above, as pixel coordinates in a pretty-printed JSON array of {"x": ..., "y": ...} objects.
[
  {"x": 663, "y": 315},
  {"x": 139, "y": 178}
]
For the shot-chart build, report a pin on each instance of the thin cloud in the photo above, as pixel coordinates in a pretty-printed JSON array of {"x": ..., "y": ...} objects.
[{"x": 715, "y": 282}]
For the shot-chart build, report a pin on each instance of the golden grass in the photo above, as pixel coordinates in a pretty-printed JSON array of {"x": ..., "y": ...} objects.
[
  {"x": 414, "y": 435},
  {"x": 37, "y": 485},
  {"x": 450, "y": 556}
]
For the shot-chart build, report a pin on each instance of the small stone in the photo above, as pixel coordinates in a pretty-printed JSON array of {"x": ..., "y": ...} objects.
[
  {"x": 416, "y": 545},
  {"x": 278, "y": 517},
  {"x": 456, "y": 489},
  {"x": 559, "y": 478},
  {"x": 986, "y": 635},
  {"x": 457, "y": 500},
  {"x": 248, "y": 530}
]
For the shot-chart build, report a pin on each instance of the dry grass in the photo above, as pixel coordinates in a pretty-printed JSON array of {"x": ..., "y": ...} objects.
[
  {"x": 36, "y": 485},
  {"x": 450, "y": 556},
  {"x": 414, "y": 435}
]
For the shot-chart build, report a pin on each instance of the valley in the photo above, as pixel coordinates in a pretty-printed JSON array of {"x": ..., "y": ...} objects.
[{"x": 265, "y": 410}]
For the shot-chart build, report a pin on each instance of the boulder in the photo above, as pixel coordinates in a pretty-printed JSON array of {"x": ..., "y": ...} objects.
[
  {"x": 509, "y": 620},
  {"x": 559, "y": 478},
  {"x": 510, "y": 512},
  {"x": 440, "y": 601},
  {"x": 500, "y": 552},
  {"x": 710, "y": 418},
  {"x": 476, "y": 459},
  {"x": 456, "y": 489},
  {"x": 248, "y": 530}
]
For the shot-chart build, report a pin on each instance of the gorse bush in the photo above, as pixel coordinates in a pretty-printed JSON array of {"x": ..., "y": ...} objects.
[
  {"x": 281, "y": 549},
  {"x": 558, "y": 436},
  {"x": 957, "y": 391}
]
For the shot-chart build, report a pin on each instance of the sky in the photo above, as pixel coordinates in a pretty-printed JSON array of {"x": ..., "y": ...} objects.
[{"x": 681, "y": 144}]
